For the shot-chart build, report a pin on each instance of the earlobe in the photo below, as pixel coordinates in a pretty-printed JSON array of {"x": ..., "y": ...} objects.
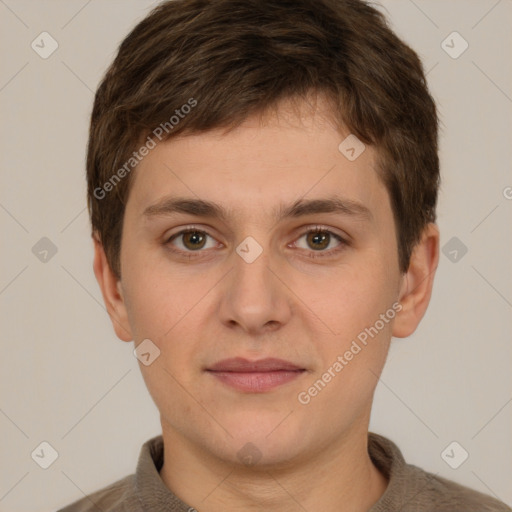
[
  {"x": 417, "y": 283},
  {"x": 111, "y": 290}
]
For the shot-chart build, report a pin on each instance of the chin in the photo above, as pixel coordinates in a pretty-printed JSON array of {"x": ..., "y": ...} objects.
[{"x": 259, "y": 441}]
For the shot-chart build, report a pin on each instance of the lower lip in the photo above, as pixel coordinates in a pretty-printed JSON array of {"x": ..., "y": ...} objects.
[{"x": 257, "y": 382}]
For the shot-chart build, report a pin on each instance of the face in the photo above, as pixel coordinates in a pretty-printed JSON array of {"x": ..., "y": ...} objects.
[{"x": 254, "y": 283}]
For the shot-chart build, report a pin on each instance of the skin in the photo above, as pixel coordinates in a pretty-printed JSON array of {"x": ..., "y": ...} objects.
[{"x": 284, "y": 304}]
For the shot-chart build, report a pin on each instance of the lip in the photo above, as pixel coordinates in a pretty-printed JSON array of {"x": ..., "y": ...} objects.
[
  {"x": 255, "y": 376},
  {"x": 239, "y": 364}
]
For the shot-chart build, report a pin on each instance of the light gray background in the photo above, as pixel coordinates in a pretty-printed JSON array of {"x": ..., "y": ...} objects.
[{"x": 67, "y": 380}]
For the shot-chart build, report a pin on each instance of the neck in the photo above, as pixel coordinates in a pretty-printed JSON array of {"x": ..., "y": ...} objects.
[{"x": 340, "y": 477}]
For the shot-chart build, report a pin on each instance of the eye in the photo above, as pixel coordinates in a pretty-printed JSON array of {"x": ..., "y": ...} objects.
[
  {"x": 318, "y": 239},
  {"x": 191, "y": 239}
]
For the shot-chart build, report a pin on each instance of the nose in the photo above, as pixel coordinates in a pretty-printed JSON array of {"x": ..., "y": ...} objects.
[{"x": 254, "y": 298}]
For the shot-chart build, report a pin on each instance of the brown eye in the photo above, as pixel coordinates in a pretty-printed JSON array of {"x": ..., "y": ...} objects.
[
  {"x": 194, "y": 240},
  {"x": 190, "y": 240},
  {"x": 318, "y": 239}
]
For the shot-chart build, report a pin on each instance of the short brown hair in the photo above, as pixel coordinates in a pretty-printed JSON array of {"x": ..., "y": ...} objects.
[{"x": 230, "y": 59}]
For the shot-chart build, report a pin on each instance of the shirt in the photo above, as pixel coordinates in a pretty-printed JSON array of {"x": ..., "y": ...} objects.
[{"x": 410, "y": 489}]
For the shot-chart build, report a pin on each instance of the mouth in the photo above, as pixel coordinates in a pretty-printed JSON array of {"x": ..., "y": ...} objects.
[{"x": 255, "y": 376}]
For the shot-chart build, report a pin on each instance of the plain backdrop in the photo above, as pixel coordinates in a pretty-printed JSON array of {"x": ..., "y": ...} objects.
[{"x": 65, "y": 378}]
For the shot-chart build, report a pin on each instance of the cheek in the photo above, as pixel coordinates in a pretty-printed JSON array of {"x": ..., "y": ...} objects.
[
  {"x": 351, "y": 361},
  {"x": 168, "y": 308},
  {"x": 357, "y": 306},
  {"x": 347, "y": 299},
  {"x": 158, "y": 295}
]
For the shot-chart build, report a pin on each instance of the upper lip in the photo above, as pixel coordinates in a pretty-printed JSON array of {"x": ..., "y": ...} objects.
[{"x": 239, "y": 364}]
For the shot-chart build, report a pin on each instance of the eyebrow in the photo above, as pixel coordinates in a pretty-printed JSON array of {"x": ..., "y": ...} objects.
[{"x": 202, "y": 208}]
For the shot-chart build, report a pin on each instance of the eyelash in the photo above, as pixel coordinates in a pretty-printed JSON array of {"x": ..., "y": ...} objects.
[{"x": 311, "y": 254}]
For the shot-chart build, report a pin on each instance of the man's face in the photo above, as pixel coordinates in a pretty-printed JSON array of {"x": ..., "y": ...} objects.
[{"x": 207, "y": 296}]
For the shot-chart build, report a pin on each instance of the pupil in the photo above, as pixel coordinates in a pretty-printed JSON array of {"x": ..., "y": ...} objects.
[
  {"x": 194, "y": 238},
  {"x": 319, "y": 238}
]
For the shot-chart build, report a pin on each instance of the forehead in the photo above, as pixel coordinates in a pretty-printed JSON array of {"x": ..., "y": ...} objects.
[{"x": 262, "y": 168}]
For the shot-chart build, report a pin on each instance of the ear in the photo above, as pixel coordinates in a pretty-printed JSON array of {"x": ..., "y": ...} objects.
[
  {"x": 417, "y": 283},
  {"x": 112, "y": 293}
]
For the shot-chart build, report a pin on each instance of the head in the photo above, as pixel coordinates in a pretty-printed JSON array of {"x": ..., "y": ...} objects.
[{"x": 247, "y": 112}]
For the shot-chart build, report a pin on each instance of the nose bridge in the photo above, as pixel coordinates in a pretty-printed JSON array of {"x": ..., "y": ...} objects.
[
  {"x": 254, "y": 298},
  {"x": 251, "y": 272}
]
